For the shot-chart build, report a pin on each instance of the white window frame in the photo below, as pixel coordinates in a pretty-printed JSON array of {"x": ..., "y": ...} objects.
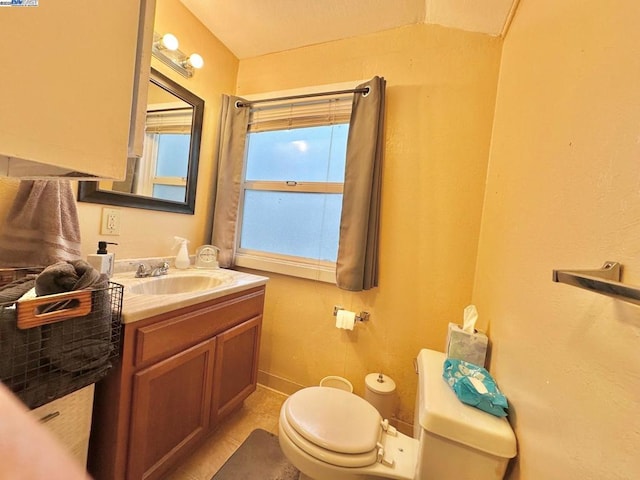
[
  {"x": 283, "y": 264},
  {"x": 279, "y": 263},
  {"x": 172, "y": 117}
]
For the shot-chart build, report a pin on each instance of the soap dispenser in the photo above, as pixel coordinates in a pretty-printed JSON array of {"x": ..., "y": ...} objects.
[
  {"x": 102, "y": 260},
  {"x": 182, "y": 259}
]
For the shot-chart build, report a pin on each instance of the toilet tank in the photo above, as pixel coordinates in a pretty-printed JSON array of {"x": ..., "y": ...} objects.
[{"x": 456, "y": 441}]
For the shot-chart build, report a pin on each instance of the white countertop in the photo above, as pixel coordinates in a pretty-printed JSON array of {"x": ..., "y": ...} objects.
[{"x": 139, "y": 306}]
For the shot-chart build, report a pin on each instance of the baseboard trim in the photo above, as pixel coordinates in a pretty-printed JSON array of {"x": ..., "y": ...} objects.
[
  {"x": 278, "y": 384},
  {"x": 403, "y": 427}
]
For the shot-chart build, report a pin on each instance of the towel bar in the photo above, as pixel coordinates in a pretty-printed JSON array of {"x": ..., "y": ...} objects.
[{"x": 604, "y": 280}]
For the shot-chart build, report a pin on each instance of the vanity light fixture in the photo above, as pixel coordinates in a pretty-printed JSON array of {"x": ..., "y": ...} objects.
[
  {"x": 165, "y": 49},
  {"x": 168, "y": 41},
  {"x": 195, "y": 60}
]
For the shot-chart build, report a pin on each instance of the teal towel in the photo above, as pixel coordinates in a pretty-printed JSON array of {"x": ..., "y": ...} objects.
[{"x": 474, "y": 386}]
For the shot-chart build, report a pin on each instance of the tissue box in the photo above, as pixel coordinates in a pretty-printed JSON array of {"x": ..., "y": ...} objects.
[{"x": 470, "y": 347}]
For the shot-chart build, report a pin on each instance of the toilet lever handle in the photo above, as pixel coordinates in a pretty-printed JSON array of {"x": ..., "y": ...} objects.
[
  {"x": 380, "y": 457},
  {"x": 389, "y": 462}
]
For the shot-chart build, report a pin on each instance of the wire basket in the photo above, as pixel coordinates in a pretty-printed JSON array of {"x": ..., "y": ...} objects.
[{"x": 53, "y": 345}]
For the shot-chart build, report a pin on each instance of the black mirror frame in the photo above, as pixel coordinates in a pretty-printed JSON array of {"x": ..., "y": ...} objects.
[{"x": 89, "y": 192}]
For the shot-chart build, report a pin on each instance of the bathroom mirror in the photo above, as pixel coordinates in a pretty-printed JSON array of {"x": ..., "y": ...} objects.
[{"x": 165, "y": 177}]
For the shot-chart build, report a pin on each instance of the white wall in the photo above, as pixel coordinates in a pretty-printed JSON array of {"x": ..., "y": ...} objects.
[{"x": 563, "y": 191}]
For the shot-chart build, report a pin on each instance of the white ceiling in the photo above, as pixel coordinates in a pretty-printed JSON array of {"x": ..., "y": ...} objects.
[{"x": 250, "y": 28}]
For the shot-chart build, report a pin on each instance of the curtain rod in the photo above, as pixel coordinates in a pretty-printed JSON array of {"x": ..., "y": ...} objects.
[{"x": 363, "y": 90}]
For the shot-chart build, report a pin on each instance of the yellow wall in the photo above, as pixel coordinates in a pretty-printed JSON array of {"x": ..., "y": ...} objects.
[
  {"x": 441, "y": 88},
  {"x": 147, "y": 233},
  {"x": 440, "y": 97},
  {"x": 563, "y": 191}
]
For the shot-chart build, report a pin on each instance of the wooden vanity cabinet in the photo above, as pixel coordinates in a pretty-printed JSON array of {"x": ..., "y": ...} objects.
[
  {"x": 180, "y": 374},
  {"x": 236, "y": 373},
  {"x": 170, "y": 409}
]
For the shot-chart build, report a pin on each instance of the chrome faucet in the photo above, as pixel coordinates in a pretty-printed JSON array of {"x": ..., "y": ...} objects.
[{"x": 152, "y": 270}]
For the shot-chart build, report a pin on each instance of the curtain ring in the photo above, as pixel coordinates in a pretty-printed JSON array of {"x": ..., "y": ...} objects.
[
  {"x": 367, "y": 92},
  {"x": 238, "y": 104}
]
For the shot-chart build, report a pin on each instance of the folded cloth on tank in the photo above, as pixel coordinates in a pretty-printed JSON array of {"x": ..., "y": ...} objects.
[
  {"x": 80, "y": 343},
  {"x": 475, "y": 386}
]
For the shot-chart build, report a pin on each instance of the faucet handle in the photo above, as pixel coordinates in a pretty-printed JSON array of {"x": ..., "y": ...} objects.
[
  {"x": 142, "y": 271},
  {"x": 159, "y": 269}
]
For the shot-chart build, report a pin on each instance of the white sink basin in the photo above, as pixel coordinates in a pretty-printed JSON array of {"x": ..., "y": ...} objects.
[
  {"x": 146, "y": 297},
  {"x": 178, "y": 284}
]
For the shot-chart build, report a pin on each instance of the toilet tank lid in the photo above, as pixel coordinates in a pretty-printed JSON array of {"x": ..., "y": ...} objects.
[{"x": 442, "y": 413}]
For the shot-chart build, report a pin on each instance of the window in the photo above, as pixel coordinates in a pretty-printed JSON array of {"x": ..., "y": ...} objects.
[
  {"x": 291, "y": 195},
  {"x": 255, "y": 179},
  {"x": 171, "y": 162},
  {"x": 164, "y": 164}
]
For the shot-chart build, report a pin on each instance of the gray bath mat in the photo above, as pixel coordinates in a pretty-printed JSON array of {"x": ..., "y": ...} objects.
[{"x": 258, "y": 458}]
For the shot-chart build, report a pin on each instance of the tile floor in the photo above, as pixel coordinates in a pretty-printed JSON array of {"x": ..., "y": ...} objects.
[{"x": 260, "y": 410}]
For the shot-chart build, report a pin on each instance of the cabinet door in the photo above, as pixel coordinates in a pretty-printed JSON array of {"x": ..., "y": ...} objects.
[
  {"x": 236, "y": 369},
  {"x": 67, "y": 75},
  {"x": 170, "y": 410}
]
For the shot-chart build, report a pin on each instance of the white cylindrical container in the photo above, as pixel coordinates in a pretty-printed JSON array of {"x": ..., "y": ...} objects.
[
  {"x": 380, "y": 391},
  {"x": 337, "y": 382}
]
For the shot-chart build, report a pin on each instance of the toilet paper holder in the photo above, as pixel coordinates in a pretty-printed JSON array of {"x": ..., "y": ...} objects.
[{"x": 360, "y": 317}]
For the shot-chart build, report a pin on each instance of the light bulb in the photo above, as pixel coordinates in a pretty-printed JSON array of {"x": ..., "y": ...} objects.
[
  {"x": 169, "y": 41},
  {"x": 196, "y": 60}
]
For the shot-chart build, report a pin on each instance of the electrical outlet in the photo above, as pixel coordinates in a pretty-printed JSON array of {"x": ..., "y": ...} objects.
[{"x": 110, "y": 221}]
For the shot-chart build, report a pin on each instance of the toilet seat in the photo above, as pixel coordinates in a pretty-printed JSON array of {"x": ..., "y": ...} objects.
[
  {"x": 322, "y": 454},
  {"x": 333, "y": 425}
]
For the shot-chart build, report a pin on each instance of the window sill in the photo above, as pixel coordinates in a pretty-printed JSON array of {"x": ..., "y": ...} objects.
[{"x": 318, "y": 272}]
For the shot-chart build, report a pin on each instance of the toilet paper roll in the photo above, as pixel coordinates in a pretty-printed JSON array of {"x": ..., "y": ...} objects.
[{"x": 345, "y": 319}]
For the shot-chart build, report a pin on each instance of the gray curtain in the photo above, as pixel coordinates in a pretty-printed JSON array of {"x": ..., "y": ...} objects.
[
  {"x": 231, "y": 144},
  {"x": 357, "y": 264}
]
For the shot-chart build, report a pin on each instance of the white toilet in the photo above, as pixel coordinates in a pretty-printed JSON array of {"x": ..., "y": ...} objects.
[{"x": 331, "y": 434}]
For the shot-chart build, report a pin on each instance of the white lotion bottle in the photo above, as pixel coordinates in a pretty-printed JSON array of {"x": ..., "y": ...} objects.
[
  {"x": 182, "y": 259},
  {"x": 102, "y": 260}
]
